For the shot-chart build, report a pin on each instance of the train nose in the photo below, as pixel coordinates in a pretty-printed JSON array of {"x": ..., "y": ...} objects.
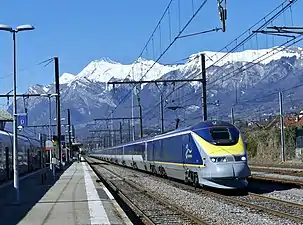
[
  {"x": 241, "y": 170},
  {"x": 231, "y": 171}
]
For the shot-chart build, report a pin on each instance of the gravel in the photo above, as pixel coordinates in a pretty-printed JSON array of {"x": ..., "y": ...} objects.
[
  {"x": 158, "y": 212},
  {"x": 207, "y": 207},
  {"x": 278, "y": 191},
  {"x": 292, "y": 195}
]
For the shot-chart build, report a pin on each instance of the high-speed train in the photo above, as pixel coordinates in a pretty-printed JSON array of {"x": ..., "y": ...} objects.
[
  {"x": 210, "y": 153},
  {"x": 29, "y": 157}
]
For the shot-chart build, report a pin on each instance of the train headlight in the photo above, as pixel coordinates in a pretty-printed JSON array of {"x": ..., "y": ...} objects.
[
  {"x": 243, "y": 158},
  {"x": 218, "y": 159}
]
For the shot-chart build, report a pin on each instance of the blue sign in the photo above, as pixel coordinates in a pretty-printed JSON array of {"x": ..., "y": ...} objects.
[{"x": 22, "y": 120}]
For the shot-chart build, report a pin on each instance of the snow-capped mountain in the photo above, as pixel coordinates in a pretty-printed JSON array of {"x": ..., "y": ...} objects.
[
  {"x": 66, "y": 78},
  {"x": 238, "y": 79},
  {"x": 104, "y": 70}
]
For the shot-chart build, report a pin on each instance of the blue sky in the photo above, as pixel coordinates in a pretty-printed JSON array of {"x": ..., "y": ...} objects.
[{"x": 81, "y": 31}]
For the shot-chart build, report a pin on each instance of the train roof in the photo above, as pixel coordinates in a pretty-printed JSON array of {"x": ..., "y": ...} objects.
[
  {"x": 200, "y": 125},
  {"x": 7, "y": 134}
]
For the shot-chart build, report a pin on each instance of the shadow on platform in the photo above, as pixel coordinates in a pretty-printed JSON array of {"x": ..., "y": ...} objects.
[{"x": 31, "y": 191}]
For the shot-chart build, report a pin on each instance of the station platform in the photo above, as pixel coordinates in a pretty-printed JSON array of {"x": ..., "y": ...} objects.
[{"x": 73, "y": 198}]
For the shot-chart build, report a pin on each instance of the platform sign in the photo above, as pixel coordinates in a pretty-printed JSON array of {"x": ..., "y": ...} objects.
[
  {"x": 49, "y": 145},
  {"x": 22, "y": 120}
]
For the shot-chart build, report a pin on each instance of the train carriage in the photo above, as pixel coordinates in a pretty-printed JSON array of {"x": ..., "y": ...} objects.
[
  {"x": 210, "y": 153},
  {"x": 28, "y": 155}
]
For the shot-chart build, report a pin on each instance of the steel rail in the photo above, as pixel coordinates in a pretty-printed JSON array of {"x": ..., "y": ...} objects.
[
  {"x": 234, "y": 200},
  {"x": 146, "y": 219}
]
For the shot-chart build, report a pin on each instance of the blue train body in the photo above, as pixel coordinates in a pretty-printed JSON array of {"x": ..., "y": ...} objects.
[{"x": 210, "y": 153}]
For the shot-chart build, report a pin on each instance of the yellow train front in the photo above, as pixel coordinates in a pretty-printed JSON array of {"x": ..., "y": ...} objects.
[
  {"x": 210, "y": 153},
  {"x": 223, "y": 155}
]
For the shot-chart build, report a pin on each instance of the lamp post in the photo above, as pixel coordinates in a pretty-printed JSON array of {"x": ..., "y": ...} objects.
[
  {"x": 49, "y": 125},
  {"x": 15, "y": 150}
]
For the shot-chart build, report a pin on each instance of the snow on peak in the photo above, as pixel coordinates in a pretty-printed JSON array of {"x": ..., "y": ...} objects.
[
  {"x": 274, "y": 53},
  {"x": 105, "y": 70},
  {"x": 66, "y": 78}
]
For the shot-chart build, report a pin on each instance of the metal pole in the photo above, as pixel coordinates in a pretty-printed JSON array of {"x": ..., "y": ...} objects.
[
  {"x": 282, "y": 126},
  {"x": 111, "y": 130},
  {"x": 232, "y": 116},
  {"x": 140, "y": 110},
  {"x": 129, "y": 131},
  {"x": 69, "y": 135},
  {"x": 121, "y": 133},
  {"x": 162, "y": 113},
  {"x": 141, "y": 121},
  {"x": 50, "y": 132},
  {"x": 58, "y": 109},
  {"x": 133, "y": 124},
  {"x": 203, "y": 71},
  {"x": 74, "y": 133},
  {"x": 15, "y": 147}
]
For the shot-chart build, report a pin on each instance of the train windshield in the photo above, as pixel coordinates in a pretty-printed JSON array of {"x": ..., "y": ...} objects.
[{"x": 219, "y": 135}]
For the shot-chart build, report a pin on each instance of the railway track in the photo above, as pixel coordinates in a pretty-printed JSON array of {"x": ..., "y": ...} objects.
[
  {"x": 257, "y": 177},
  {"x": 273, "y": 206},
  {"x": 298, "y": 172},
  {"x": 280, "y": 208},
  {"x": 149, "y": 207}
]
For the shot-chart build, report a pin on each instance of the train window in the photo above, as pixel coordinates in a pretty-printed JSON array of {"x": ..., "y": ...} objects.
[{"x": 219, "y": 135}]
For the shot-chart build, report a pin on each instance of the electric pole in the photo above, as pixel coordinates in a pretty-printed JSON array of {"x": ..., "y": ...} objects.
[
  {"x": 129, "y": 131},
  {"x": 121, "y": 138},
  {"x": 161, "y": 102},
  {"x": 69, "y": 135},
  {"x": 203, "y": 71},
  {"x": 140, "y": 112},
  {"x": 232, "y": 115},
  {"x": 282, "y": 126},
  {"x": 74, "y": 133},
  {"x": 161, "y": 113},
  {"x": 58, "y": 108},
  {"x": 112, "y": 128}
]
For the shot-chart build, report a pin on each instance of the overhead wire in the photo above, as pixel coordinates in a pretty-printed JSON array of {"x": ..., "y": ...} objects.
[
  {"x": 167, "y": 48},
  {"x": 262, "y": 26}
]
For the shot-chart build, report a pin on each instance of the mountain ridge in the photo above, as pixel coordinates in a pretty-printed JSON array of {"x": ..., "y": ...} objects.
[{"x": 88, "y": 96}]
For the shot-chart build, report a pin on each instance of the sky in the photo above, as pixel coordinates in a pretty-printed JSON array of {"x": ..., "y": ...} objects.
[{"x": 81, "y": 31}]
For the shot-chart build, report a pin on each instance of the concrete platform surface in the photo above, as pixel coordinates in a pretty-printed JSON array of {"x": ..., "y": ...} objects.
[{"x": 75, "y": 198}]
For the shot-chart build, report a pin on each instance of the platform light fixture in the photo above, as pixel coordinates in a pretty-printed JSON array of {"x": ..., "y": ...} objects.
[{"x": 15, "y": 128}]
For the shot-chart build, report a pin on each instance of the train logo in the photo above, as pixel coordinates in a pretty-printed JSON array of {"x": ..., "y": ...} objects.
[{"x": 188, "y": 153}]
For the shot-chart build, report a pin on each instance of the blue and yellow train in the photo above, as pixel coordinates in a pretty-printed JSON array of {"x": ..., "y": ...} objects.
[{"x": 210, "y": 153}]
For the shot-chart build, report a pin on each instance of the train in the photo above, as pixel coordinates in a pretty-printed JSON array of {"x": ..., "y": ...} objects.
[
  {"x": 29, "y": 155},
  {"x": 210, "y": 153}
]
